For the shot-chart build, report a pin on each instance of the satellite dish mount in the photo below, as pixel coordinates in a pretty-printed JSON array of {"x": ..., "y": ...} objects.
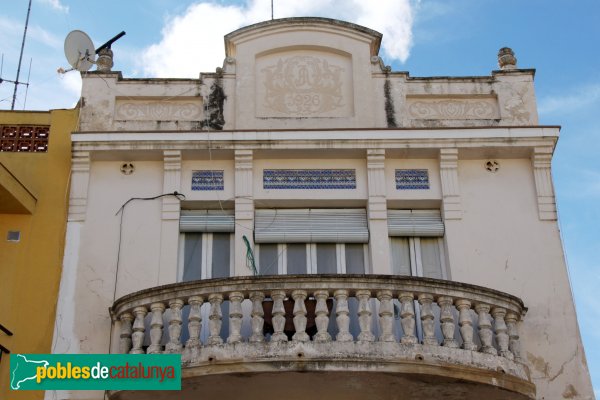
[{"x": 80, "y": 53}]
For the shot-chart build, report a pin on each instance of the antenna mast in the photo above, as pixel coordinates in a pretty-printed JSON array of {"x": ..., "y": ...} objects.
[
  {"x": 271, "y": 10},
  {"x": 16, "y": 82}
]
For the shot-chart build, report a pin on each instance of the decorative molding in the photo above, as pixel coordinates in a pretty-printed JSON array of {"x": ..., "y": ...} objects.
[
  {"x": 450, "y": 187},
  {"x": 462, "y": 109},
  {"x": 541, "y": 161},
  {"x": 304, "y": 84},
  {"x": 24, "y": 138},
  {"x": 80, "y": 178},
  {"x": 410, "y": 179},
  {"x": 159, "y": 110},
  {"x": 515, "y": 104},
  {"x": 309, "y": 179}
]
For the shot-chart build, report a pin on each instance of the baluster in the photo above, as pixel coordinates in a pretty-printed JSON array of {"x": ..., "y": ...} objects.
[
  {"x": 514, "y": 345},
  {"x": 342, "y": 316},
  {"x": 235, "y": 317},
  {"x": 278, "y": 316},
  {"x": 215, "y": 319},
  {"x": 194, "y": 322},
  {"x": 447, "y": 319},
  {"x": 501, "y": 332},
  {"x": 466, "y": 324},
  {"x": 258, "y": 320},
  {"x": 174, "y": 344},
  {"x": 322, "y": 316},
  {"x": 300, "y": 316},
  {"x": 485, "y": 329},
  {"x": 407, "y": 313},
  {"x": 156, "y": 328},
  {"x": 427, "y": 319},
  {"x": 125, "y": 336},
  {"x": 364, "y": 316},
  {"x": 386, "y": 316},
  {"x": 139, "y": 328}
]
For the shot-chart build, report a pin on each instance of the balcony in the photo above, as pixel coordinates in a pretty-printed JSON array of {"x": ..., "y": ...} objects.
[{"x": 346, "y": 336}]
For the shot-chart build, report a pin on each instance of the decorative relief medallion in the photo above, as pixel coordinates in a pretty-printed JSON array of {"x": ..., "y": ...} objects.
[
  {"x": 516, "y": 104},
  {"x": 453, "y": 109},
  {"x": 208, "y": 180},
  {"x": 303, "y": 86},
  {"x": 412, "y": 179},
  {"x": 309, "y": 179},
  {"x": 139, "y": 110}
]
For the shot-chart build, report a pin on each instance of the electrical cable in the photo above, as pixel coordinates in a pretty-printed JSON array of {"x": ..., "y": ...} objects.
[{"x": 121, "y": 210}]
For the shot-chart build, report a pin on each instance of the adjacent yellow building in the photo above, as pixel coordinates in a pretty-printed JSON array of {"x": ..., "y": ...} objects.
[{"x": 35, "y": 162}]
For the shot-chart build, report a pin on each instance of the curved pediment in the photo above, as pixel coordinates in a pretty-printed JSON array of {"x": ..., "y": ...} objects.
[
  {"x": 284, "y": 27},
  {"x": 292, "y": 71}
]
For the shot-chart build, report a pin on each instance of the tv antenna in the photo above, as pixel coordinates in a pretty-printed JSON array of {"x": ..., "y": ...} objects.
[
  {"x": 16, "y": 81},
  {"x": 80, "y": 53}
]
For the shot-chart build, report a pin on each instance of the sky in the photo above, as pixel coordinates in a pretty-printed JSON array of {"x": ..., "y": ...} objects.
[{"x": 168, "y": 38}]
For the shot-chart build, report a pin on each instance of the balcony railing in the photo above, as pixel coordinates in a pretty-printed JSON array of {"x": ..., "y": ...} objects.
[{"x": 328, "y": 317}]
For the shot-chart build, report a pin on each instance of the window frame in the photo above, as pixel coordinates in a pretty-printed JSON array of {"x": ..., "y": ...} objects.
[
  {"x": 207, "y": 249},
  {"x": 311, "y": 257},
  {"x": 416, "y": 260}
]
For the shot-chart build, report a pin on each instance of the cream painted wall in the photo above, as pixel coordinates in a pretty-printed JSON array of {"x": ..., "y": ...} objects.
[
  {"x": 501, "y": 243},
  {"x": 98, "y": 247}
]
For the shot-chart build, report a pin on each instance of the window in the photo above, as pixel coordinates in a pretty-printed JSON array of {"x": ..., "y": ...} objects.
[
  {"x": 205, "y": 256},
  {"x": 206, "y": 244},
  {"x": 416, "y": 243},
  {"x": 417, "y": 256},
  {"x": 311, "y": 258},
  {"x": 311, "y": 241}
]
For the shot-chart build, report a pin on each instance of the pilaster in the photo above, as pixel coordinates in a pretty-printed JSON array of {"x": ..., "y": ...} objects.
[
  {"x": 244, "y": 210},
  {"x": 379, "y": 250},
  {"x": 169, "y": 233},
  {"x": 80, "y": 179},
  {"x": 452, "y": 205},
  {"x": 541, "y": 160}
]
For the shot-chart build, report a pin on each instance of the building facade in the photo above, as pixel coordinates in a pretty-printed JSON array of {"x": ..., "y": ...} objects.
[
  {"x": 305, "y": 221},
  {"x": 35, "y": 163}
]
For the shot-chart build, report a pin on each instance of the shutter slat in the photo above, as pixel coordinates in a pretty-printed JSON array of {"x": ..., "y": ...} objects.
[
  {"x": 424, "y": 223},
  {"x": 206, "y": 221},
  {"x": 311, "y": 226}
]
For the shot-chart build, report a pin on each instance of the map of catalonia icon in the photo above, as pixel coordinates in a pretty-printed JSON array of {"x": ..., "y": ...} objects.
[{"x": 23, "y": 371}]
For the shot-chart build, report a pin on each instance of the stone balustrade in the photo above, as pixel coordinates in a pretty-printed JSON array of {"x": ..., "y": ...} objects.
[{"x": 321, "y": 317}]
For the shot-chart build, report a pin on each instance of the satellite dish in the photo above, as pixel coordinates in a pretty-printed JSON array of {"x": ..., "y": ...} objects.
[{"x": 79, "y": 50}]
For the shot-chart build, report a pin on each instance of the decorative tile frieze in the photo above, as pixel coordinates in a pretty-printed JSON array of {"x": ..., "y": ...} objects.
[
  {"x": 24, "y": 139},
  {"x": 408, "y": 179},
  {"x": 208, "y": 180},
  {"x": 309, "y": 179}
]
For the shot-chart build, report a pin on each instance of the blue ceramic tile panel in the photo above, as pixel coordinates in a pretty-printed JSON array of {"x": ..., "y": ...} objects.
[
  {"x": 407, "y": 179},
  {"x": 309, "y": 179},
  {"x": 207, "y": 180}
]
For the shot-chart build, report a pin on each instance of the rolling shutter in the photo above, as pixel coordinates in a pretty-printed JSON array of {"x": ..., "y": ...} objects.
[
  {"x": 206, "y": 221},
  {"x": 311, "y": 226},
  {"x": 423, "y": 223}
]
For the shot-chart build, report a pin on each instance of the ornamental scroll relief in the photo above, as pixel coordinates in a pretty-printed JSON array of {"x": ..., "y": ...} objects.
[
  {"x": 303, "y": 85},
  {"x": 469, "y": 108},
  {"x": 159, "y": 110}
]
